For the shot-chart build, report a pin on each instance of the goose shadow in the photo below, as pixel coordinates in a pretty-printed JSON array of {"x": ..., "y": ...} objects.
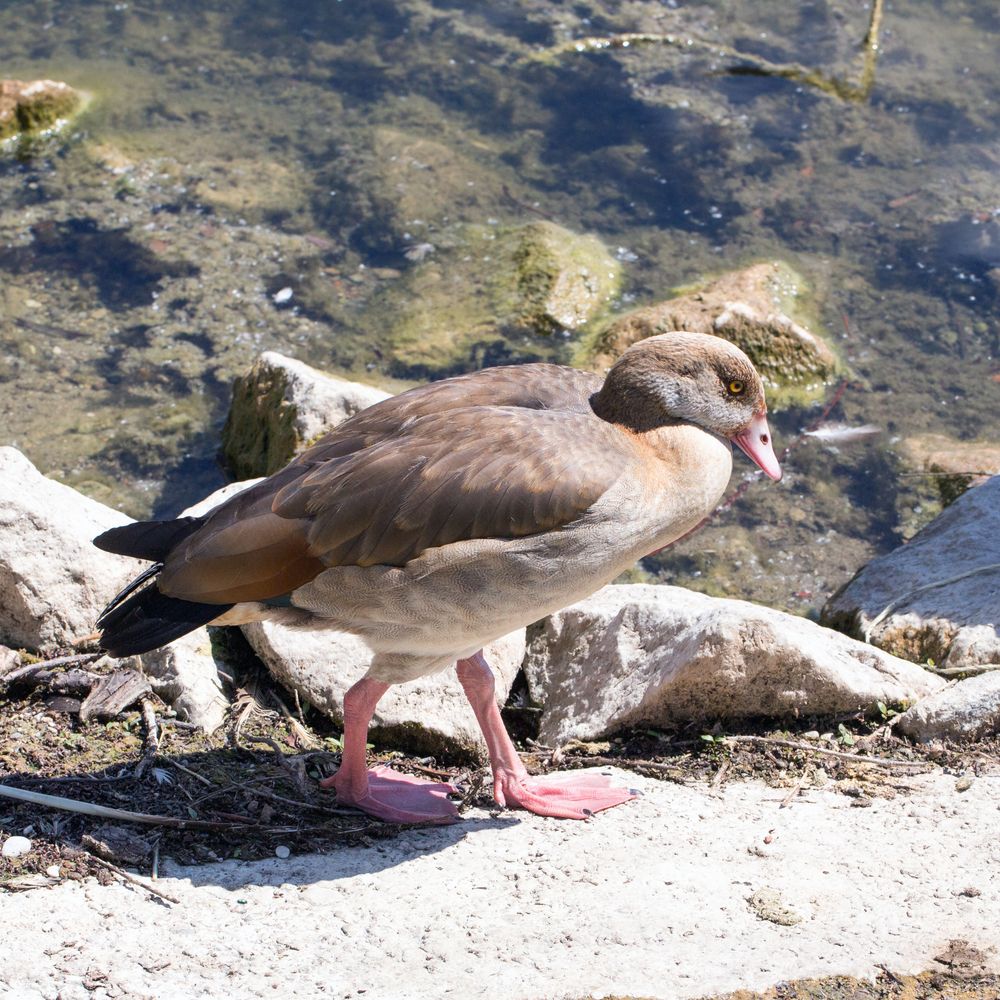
[{"x": 230, "y": 809}]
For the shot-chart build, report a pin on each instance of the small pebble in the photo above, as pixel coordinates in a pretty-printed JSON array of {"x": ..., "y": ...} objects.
[
  {"x": 282, "y": 852},
  {"x": 52, "y": 871},
  {"x": 964, "y": 783},
  {"x": 14, "y": 847},
  {"x": 282, "y": 295}
]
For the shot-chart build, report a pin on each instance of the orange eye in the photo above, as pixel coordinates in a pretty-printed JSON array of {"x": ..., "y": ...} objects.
[{"x": 735, "y": 387}]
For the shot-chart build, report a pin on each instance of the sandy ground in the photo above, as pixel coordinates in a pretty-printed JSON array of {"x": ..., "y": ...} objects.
[{"x": 650, "y": 899}]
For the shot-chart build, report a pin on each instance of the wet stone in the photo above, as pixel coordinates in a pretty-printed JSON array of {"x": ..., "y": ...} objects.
[{"x": 35, "y": 105}]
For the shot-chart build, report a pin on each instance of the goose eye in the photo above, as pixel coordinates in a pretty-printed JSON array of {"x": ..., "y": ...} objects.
[{"x": 735, "y": 387}]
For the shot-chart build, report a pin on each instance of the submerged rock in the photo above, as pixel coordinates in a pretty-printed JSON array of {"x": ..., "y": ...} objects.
[
  {"x": 399, "y": 189},
  {"x": 938, "y": 596},
  {"x": 953, "y": 465},
  {"x": 753, "y": 308},
  {"x": 499, "y": 289},
  {"x": 428, "y": 715},
  {"x": 637, "y": 655},
  {"x": 282, "y": 405},
  {"x": 969, "y": 710},
  {"x": 35, "y": 105},
  {"x": 53, "y": 582}
]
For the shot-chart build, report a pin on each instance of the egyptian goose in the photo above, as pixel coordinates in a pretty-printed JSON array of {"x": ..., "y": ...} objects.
[{"x": 449, "y": 515}]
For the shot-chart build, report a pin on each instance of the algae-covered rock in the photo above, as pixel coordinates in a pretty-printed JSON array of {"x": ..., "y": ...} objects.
[
  {"x": 953, "y": 466},
  {"x": 280, "y": 406},
  {"x": 35, "y": 105},
  {"x": 758, "y": 308},
  {"x": 500, "y": 288},
  {"x": 251, "y": 187}
]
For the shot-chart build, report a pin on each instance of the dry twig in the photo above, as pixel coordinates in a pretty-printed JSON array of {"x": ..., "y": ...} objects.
[
  {"x": 840, "y": 754},
  {"x": 133, "y": 880}
]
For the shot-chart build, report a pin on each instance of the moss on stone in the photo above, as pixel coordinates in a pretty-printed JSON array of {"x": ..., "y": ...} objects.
[
  {"x": 259, "y": 434},
  {"x": 34, "y": 106},
  {"x": 498, "y": 293}
]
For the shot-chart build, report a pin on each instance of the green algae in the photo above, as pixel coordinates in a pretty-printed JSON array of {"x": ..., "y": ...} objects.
[
  {"x": 259, "y": 436},
  {"x": 498, "y": 293}
]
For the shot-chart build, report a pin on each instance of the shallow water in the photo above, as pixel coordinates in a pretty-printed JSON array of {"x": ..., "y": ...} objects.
[{"x": 232, "y": 150}]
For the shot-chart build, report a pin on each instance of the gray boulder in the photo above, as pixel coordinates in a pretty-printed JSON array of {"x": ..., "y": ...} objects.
[
  {"x": 280, "y": 407},
  {"x": 426, "y": 716},
  {"x": 969, "y": 710},
  {"x": 937, "y": 597},
  {"x": 652, "y": 655},
  {"x": 53, "y": 582}
]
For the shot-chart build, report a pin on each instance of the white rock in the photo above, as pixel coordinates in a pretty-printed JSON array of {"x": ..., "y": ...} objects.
[
  {"x": 968, "y": 710},
  {"x": 651, "y": 655},
  {"x": 425, "y": 715},
  {"x": 185, "y": 675},
  {"x": 321, "y": 401},
  {"x": 14, "y": 847},
  {"x": 943, "y": 588},
  {"x": 282, "y": 852},
  {"x": 53, "y": 582}
]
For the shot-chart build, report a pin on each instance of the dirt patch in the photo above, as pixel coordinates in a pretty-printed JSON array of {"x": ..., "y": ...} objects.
[{"x": 960, "y": 975}]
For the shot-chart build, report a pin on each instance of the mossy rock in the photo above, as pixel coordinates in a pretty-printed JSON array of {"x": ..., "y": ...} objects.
[
  {"x": 254, "y": 188},
  {"x": 259, "y": 434},
  {"x": 35, "y": 105},
  {"x": 501, "y": 292},
  {"x": 281, "y": 406},
  {"x": 763, "y": 309}
]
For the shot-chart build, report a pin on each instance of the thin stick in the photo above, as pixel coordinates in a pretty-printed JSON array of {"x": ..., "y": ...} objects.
[
  {"x": 973, "y": 668},
  {"x": 60, "y": 661},
  {"x": 787, "y": 800},
  {"x": 106, "y": 812},
  {"x": 841, "y": 755},
  {"x": 720, "y": 774},
  {"x": 194, "y": 774},
  {"x": 306, "y": 740},
  {"x": 129, "y": 877},
  {"x": 758, "y": 65}
]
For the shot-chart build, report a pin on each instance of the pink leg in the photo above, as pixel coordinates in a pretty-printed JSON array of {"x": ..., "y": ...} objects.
[
  {"x": 381, "y": 792},
  {"x": 567, "y": 795}
]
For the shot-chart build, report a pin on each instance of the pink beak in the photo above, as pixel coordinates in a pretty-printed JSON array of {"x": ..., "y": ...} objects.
[{"x": 756, "y": 442}]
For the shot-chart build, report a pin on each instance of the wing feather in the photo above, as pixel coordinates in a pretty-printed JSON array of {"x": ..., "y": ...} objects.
[{"x": 502, "y": 453}]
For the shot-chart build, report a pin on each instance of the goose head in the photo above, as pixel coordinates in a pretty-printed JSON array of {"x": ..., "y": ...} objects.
[{"x": 690, "y": 378}]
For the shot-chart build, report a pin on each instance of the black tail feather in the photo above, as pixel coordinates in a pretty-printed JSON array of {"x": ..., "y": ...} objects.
[
  {"x": 148, "y": 619},
  {"x": 125, "y": 591},
  {"x": 148, "y": 539}
]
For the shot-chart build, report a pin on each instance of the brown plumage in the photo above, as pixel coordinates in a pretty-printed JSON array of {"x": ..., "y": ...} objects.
[
  {"x": 408, "y": 474},
  {"x": 446, "y": 516}
]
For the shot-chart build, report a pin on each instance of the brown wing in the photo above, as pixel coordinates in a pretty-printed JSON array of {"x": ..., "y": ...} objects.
[{"x": 479, "y": 472}]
